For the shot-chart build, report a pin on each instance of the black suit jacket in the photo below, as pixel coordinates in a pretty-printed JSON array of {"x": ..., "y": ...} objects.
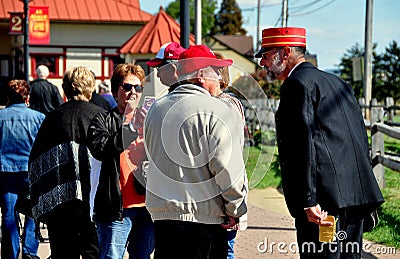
[
  {"x": 323, "y": 145},
  {"x": 44, "y": 96}
]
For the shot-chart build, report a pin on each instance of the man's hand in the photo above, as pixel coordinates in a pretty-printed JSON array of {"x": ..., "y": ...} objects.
[{"x": 317, "y": 216}]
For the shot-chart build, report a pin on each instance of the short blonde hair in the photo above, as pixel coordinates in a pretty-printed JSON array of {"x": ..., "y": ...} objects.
[{"x": 78, "y": 83}]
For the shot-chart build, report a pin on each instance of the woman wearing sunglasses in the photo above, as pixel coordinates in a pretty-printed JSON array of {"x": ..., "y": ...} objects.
[{"x": 120, "y": 214}]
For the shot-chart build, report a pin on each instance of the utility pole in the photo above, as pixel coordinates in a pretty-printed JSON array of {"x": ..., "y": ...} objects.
[
  {"x": 284, "y": 12},
  {"x": 368, "y": 56},
  {"x": 185, "y": 23},
  {"x": 197, "y": 28},
  {"x": 258, "y": 24}
]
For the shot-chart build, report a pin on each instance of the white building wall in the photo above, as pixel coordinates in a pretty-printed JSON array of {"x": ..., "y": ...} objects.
[{"x": 91, "y": 34}]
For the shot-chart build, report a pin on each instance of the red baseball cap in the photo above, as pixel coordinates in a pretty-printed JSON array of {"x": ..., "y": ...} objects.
[
  {"x": 281, "y": 37},
  {"x": 200, "y": 56},
  {"x": 168, "y": 51}
]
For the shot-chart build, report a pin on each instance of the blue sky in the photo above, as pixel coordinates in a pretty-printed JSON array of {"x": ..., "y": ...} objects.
[{"x": 333, "y": 26}]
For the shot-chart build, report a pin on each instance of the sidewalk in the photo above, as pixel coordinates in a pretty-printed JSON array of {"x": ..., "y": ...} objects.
[{"x": 269, "y": 224}]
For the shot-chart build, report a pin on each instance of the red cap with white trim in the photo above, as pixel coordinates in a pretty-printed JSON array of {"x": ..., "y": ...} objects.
[
  {"x": 168, "y": 51},
  {"x": 281, "y": 37}
]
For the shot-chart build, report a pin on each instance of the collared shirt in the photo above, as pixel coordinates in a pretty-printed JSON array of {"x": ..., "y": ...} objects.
[{"x": 18, "y": 128}]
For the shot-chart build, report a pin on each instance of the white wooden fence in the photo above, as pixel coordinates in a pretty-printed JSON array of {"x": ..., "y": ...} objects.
[{"x": 380, "y": 157}]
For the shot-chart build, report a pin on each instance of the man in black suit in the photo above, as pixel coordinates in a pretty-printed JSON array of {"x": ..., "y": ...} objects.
[
  {"x": 323, "y": 148},
  {"x": 44, "y": 96}
]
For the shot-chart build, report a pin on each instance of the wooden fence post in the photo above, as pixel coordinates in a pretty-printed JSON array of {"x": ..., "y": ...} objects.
[
  {"x": 389, "y": 104},
  {"x": 377, "y": 146},
  {"x": 361, "y": 102}
]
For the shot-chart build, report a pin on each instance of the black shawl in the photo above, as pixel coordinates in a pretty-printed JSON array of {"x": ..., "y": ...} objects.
[{"x": 59, "y": 163}]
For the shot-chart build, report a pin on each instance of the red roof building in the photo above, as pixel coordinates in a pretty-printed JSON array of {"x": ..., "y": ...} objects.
[
  {"x": 159, "y": 30},
  {"x": 95, "y": 33},
  {"x": 82, "y": 11},
  {"x": 87, "y": 32}
]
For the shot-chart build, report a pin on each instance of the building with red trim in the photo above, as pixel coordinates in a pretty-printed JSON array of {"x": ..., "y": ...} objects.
[
  {"x": 100, "y": 34},
  {"x": 81, "y": 33}
]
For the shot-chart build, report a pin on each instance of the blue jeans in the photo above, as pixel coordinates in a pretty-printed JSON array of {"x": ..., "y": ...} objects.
[
  {"x": 10, "y": 185},
  {"x": 136, "y": 231},
  {"x": 231, "y": 243}
]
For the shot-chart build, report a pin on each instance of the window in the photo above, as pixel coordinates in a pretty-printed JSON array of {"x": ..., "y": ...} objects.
[
  {"x": 51, "y": 60},
  {"x": 113, "y": 61}
]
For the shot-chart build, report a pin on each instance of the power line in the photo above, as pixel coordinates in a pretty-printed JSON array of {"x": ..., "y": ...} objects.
[
  {"x": 312, "y": 11},
  {"x": 303, "y": 6},
  {"x": 261, "y": 6}
]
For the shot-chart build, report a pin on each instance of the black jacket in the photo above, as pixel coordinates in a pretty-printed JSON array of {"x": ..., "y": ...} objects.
[
  {"x": 44, "y": 96},
  {"x": 106, "y": 137},
  {"x": 323, "y": 145},
  {"x": 100, "y": 101},
  {"x": 59, "y": 162}
]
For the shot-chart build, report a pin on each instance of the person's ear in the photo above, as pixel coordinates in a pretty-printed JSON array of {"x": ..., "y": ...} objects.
[
  {"x": 286, "y": 52},
  {"x": 201, "y": 75}
]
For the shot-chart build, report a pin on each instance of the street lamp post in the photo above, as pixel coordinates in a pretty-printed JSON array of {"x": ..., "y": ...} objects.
[
  {"x": 185, "y": 23},
  {"x": 26, "y": 39}
]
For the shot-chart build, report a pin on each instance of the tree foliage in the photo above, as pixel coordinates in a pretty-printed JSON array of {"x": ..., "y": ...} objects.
[
  {"x": 271, "y": 89},
  {"x": 346, "y": 68},
  {"x": 385, "y": 71},
  {"x": 228, "y": 20},
  {"x": 208, "y": 8}
]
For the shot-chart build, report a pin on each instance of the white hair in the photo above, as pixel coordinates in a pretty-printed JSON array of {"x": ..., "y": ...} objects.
[
  {"x": 208, "y": 73},
  {"x": 42, "y": 71}
]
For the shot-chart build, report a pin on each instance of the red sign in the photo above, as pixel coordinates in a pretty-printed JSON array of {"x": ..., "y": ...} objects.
[
  {"x": 39, "y": 25},
  {"x": 16, "y": 23}
]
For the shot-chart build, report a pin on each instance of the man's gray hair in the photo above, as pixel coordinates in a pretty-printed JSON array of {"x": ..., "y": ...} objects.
[
  {"x": 189, "y": 76},
  {"x": 299, "y": 50},
  {"x": 42, "y": 71}
]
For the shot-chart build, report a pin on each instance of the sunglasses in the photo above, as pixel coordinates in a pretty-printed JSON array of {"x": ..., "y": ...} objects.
[{"x": 128, "y": 87}]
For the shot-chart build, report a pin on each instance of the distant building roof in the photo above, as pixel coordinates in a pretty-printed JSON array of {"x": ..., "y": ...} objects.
[
  {"x": 240, "y": 43},
  {"x": 86, "y": 10},
  {"x": 160, "y": 29}
]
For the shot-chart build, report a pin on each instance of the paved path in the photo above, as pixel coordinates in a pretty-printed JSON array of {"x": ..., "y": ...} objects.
[{"x": 269, "y": 224}]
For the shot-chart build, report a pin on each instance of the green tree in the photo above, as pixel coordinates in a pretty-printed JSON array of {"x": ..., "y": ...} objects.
[
  {"x": 387, "y": 72},
  {"x": 228, "y": 20},
  {"x": 271, "y": 89},
  {"x": 208, "y": 8},
  {"x": 346, "y": 68}
]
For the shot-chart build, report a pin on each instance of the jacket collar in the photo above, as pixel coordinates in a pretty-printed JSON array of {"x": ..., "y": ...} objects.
[
  {"x": 294, "y": 68},
  {"x": 19, "y": 105},
  {"x": 301, "y": 66},
  {"x": 191, "y": 88}
]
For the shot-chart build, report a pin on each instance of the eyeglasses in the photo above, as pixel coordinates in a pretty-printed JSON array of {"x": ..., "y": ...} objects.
[
  {"x": 268, "y": 52},
  {"x": 128, "y": 87}
]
